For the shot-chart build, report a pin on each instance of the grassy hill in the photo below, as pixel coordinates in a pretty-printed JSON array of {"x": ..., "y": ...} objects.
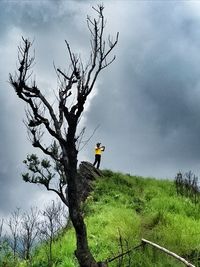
[{"x": 122, "y": 210}]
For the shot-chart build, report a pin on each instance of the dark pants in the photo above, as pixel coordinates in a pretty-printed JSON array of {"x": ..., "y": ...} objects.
[{"x": 97, "y": 160}]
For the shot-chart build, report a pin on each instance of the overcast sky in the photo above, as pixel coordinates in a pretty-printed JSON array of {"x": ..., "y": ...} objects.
[{"x": 147, "y": 102}]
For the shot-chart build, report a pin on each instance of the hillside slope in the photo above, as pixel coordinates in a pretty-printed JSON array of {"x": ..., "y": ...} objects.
[{"x": 120, "y": 211}]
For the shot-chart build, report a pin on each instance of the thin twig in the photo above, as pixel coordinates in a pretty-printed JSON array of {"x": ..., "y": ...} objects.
[{"x": 124, "y": 253}]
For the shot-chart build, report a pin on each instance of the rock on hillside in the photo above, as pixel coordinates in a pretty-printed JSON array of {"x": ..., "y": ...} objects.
[{"x": 87, "y": 174}]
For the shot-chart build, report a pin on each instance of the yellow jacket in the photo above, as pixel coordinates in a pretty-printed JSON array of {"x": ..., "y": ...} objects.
[{"x": 98, "y": 150}]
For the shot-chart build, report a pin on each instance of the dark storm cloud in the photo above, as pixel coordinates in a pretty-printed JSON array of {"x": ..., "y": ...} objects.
[{"x": 149, "y": 112}]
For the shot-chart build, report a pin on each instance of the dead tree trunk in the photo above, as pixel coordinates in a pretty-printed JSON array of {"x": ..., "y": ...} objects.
[{"x": 82, "y": 252}]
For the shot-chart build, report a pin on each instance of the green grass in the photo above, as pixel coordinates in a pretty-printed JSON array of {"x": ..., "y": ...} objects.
[{"x": 132, "y": 208}]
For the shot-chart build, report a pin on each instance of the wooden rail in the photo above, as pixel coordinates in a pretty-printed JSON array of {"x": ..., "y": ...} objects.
[{"x": 144, "y": 241}]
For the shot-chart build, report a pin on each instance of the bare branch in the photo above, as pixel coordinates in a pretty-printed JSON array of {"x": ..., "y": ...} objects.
[
  {"x": 168, "y": 252},
  {"x": 64, "y": 75},
  {"x": 86, "y": 141}
]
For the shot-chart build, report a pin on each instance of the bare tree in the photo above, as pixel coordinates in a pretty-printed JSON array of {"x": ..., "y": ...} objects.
[
  {"x": 1, "y": 232},
  {"x": 54, "y": 219},
  {"x": 14, "y": 226},
  {"x": 29, "y": 231},
  {"x": 187, "y": 185},
  {"x": 61, "y": 121},
  {"x": 1, "y": 228}
]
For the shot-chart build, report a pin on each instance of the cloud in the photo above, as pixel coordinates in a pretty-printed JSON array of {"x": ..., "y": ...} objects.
[{"x": 149, "y": 111}]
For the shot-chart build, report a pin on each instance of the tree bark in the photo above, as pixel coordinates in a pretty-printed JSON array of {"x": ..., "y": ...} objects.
[{"x": 82, "y": 252}]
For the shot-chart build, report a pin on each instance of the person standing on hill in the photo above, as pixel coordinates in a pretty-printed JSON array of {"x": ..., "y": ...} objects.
[{"x": 98, "y": 151}]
